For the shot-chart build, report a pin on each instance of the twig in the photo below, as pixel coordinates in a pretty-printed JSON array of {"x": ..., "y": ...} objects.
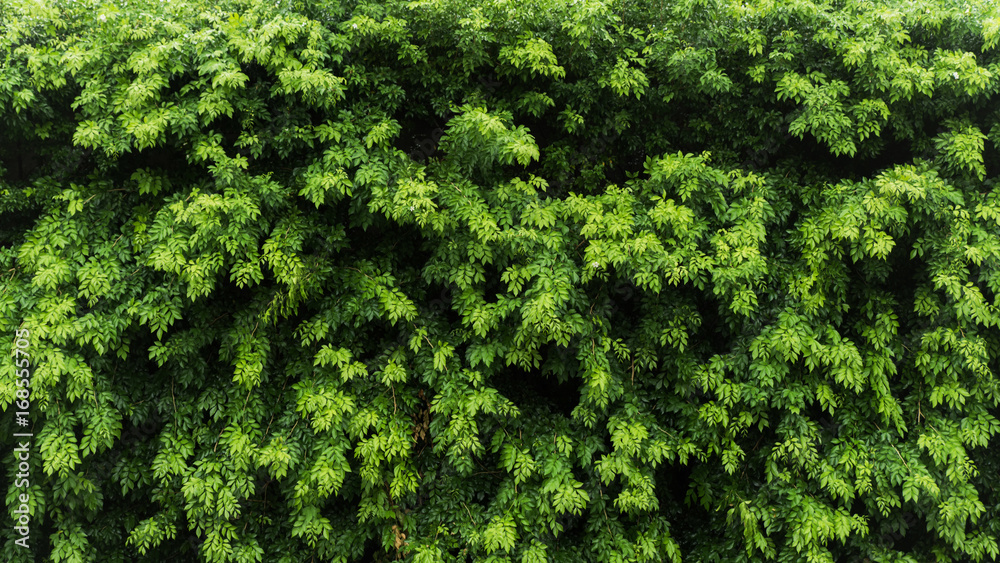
[
  {"x": 470, "y": 515},
  {"x": 174, "y": 400}
]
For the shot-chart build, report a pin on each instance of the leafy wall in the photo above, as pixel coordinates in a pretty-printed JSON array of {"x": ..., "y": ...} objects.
[{"x": 502, "y": 281}]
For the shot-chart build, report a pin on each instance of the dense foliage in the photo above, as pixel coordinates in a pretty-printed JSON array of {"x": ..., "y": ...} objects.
[{"x": 437, "y": 280}]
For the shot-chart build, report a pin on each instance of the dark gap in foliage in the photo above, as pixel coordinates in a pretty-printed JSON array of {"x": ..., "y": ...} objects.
[
  {"x": 713, "y": 336},
  {"x": 991, "y": 160},
  {"x": 168, "y": 158},
  {"x": 553, "y": 387},
  {"x": 676, "y": 477},
  {"x": 15, "y": 227},
  {"x": 18, "y": 165},
  {"x": 419, "y": 137},
  {"x": 893, "y": 152}
]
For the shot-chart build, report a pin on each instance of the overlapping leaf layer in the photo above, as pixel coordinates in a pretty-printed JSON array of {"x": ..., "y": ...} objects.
[{"x": 439, "y": 280}]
